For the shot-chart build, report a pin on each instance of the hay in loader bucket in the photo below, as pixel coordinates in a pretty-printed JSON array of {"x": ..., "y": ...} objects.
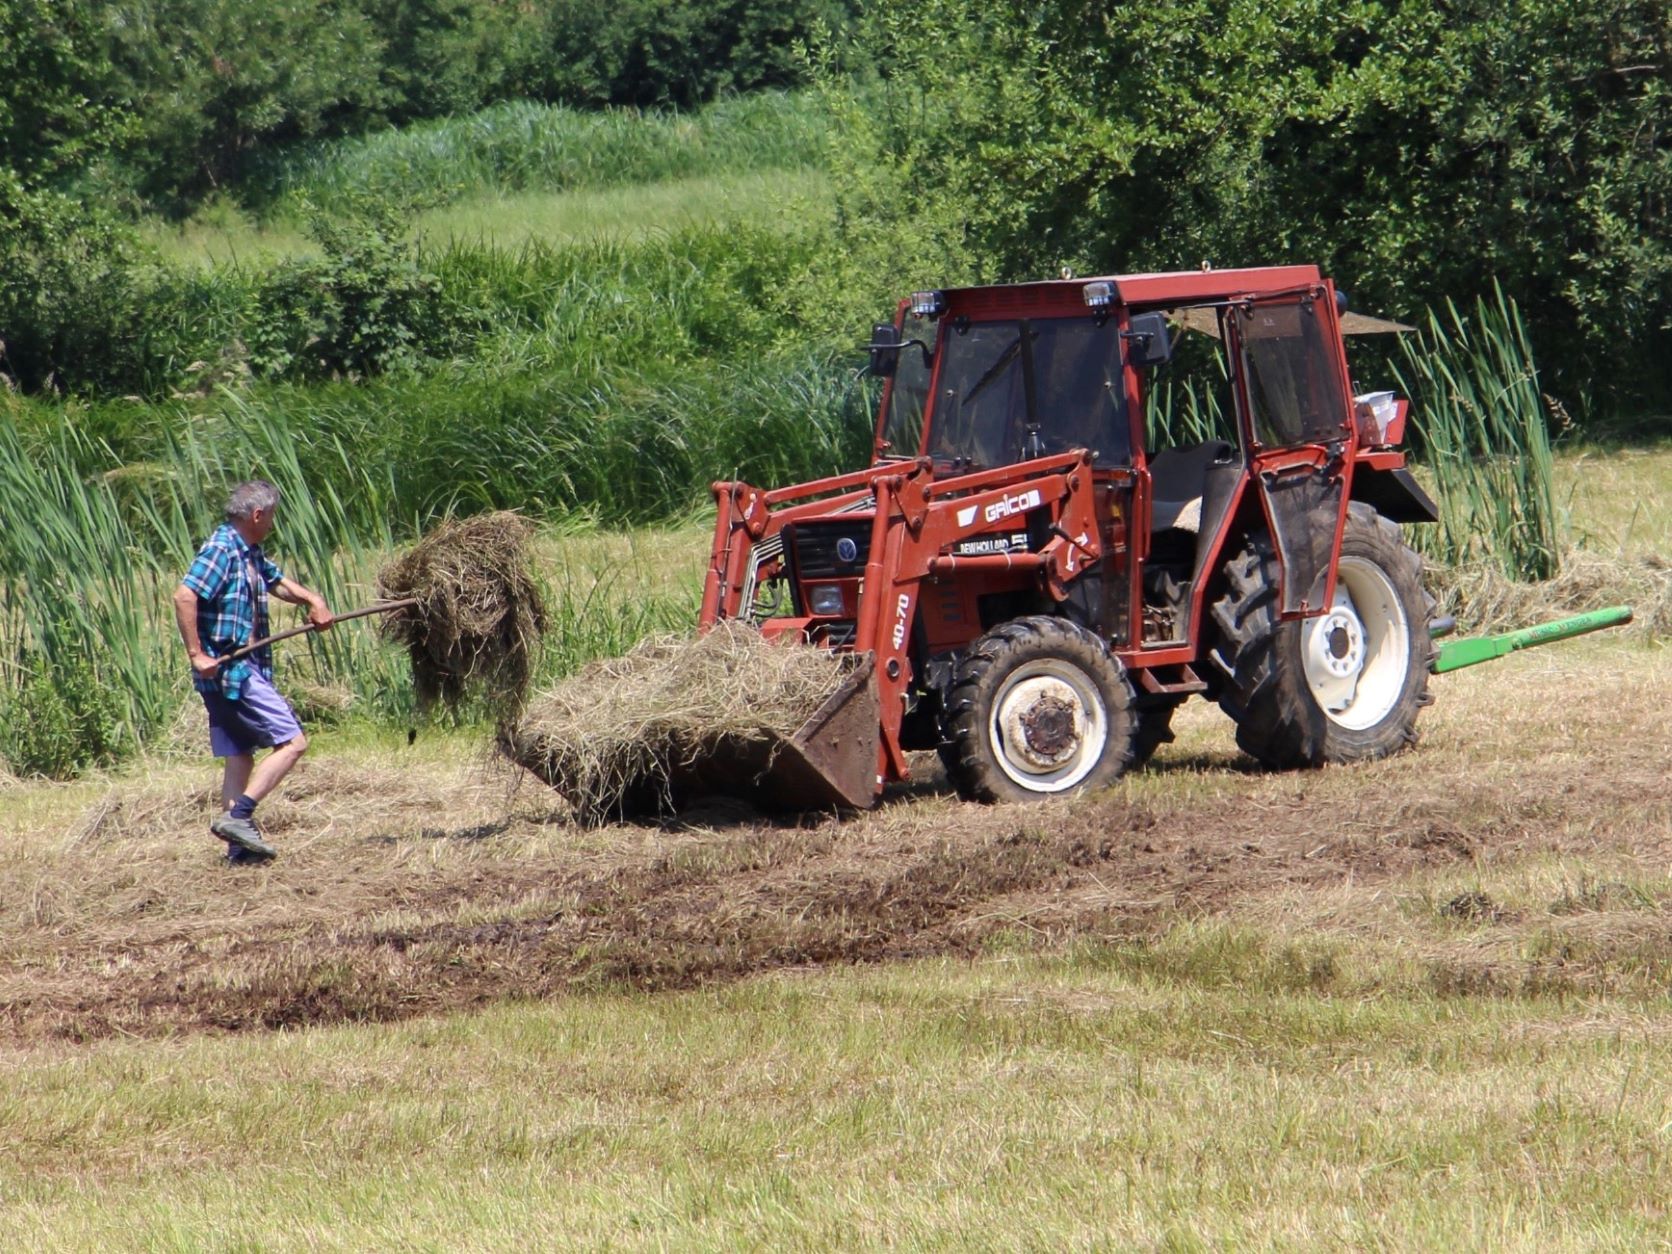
[
  {"x": 782, "y": 725},
  {"x": 479, "y": 616}
]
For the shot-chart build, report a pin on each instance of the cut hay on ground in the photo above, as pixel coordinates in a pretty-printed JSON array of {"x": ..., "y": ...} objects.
[
  {"x": 611, "y": 737},
  {"x": 479, "y": 615},
  {"x": 1484, "y": 600}
]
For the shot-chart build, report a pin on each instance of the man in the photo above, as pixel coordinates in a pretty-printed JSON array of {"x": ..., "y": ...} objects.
[{"x": 221, "y": 605}]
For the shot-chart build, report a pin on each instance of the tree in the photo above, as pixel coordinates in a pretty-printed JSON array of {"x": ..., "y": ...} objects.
[{"x": 1416, "y": 150}]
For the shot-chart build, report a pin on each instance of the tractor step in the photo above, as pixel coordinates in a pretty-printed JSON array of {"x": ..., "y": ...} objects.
[{"x": 1189, "y": 681}]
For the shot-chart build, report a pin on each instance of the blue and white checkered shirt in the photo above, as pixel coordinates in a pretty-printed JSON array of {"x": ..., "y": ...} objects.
[{"x": 231, "y": 578}]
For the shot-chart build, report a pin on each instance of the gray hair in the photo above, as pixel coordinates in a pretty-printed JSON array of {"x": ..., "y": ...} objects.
[{"x": 248, "y": 497}]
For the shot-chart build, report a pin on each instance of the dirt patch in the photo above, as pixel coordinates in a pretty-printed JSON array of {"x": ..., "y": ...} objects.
[{"x": 351, "y": 933}]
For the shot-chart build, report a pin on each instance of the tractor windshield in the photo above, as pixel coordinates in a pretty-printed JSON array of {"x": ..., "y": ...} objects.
[{"x": 1028, "y": 387}]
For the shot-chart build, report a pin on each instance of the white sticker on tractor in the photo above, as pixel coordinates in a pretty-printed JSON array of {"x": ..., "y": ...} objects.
[
  {"x": 902, "y": 611},
  {"x": 1021, "y": 503},
  {"x": 966, "y": 516}
]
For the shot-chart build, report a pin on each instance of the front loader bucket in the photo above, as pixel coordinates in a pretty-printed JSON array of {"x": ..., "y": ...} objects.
[{"x": 829, "y": 763}]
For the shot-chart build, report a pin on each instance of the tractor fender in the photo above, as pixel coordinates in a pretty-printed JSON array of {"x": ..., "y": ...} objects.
[{"x": 1394, "y": 494}]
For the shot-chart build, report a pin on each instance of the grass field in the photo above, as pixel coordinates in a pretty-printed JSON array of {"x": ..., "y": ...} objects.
[
  {"x": 1416, "y": 1003},
  {"x": 226, "y": 235}
]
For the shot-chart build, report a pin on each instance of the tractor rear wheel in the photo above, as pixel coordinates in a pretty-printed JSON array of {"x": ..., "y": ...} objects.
[
  {"x": 1038, "y": 708},
  {"x": 1345, "y": 686}
]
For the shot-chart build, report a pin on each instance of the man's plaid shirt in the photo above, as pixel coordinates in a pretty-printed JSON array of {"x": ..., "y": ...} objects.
[{"x": 231, "y": 579}]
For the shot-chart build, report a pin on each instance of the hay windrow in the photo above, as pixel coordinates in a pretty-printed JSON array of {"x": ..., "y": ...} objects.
[
  {"x": 611, "y": 736},
  {"x": 479, "y": 616},
  {"x": 1484, "y": 600}
]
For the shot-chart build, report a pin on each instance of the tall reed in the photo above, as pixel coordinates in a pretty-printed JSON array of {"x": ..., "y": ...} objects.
[
  {"x": 1481, "y": 425},
  {"x": 77, "y": 634}
]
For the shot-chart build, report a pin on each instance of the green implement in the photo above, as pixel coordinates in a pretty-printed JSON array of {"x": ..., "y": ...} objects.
[{"x": 1456, "y": 654}]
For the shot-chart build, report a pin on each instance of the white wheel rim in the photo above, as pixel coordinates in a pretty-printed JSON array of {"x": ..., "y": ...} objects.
[
  {"x": 1357, "y": 656},
  {"x": 1048, "y": 727}
]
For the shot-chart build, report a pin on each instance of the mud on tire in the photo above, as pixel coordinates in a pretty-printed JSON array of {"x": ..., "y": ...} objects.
[
  {"x": 1038, "y": 708},
  {"x": 1345, "y": 687}
]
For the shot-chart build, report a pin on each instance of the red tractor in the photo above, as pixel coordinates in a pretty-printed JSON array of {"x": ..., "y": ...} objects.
[{"x": 1031, "y": 584}]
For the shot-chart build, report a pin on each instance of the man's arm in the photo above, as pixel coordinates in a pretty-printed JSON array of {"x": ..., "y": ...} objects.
[
  {"x": 185, "y": 614},
  {"x": 319, "y": 614}
]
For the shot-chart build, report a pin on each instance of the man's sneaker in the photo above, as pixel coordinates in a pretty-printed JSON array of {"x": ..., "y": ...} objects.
[{"x": 242, "y": 834}]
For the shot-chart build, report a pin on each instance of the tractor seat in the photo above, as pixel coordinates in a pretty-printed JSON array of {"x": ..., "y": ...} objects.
[{"x": 1177, "y": 479}]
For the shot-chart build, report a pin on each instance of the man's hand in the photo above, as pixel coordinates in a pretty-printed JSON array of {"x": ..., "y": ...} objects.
[
  {"x": 319, "y": 613},
  {"x": 207, "y": 667}
]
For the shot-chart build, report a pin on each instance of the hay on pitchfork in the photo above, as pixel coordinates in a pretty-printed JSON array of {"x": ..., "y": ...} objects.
[
  {"x": 479, "y": 616},
  {"x": 612, "y": 737}
]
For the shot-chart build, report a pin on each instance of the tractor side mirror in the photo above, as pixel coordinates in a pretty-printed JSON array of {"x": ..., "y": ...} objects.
[
  {"x": 1149, "y": 342},
  {"x": 885, "y": 349}
]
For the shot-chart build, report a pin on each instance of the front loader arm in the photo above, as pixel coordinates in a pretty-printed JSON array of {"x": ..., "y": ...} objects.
[{"x": 917, "y": 523}]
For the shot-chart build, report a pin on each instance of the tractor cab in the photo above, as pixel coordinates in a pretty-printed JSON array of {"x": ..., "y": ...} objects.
[{"x": 983, "y": 378}]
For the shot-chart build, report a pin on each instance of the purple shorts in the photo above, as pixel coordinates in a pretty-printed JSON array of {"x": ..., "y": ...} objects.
[{"x": 259, "y": 719}]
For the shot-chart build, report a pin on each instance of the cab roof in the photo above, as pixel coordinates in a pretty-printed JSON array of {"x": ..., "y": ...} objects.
[{"x": 1165, "y": 290}]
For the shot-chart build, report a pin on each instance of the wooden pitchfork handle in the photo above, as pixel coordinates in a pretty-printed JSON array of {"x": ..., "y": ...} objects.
[{"x": 387, "y": 607}]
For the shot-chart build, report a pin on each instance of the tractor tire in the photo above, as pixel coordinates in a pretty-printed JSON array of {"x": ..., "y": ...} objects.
[
  {"x": 1038, "y": 708},
  {"x": 1155, "y": 728},
  {"x": 1343, "y": 687}
]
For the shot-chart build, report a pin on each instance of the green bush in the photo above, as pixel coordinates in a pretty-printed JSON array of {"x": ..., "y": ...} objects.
[
  {"x": 162, "y": 103},
  {"x": 367, "y": 306},
  {"x": 68, "y": 291},
  {"x": 62, "y": 720}
]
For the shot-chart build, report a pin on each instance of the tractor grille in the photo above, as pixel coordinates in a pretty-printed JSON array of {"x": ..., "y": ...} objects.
[{"x": 818, "y": 548}]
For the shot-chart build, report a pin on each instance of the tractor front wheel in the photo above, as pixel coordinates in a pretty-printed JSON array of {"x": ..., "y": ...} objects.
[
  {"x": 1038, "y": 708},
  {"x": 1345, "y": 686}
]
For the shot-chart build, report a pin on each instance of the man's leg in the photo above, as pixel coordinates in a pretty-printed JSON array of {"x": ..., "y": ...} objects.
[
  {"x": 266, "y": 718},
  {"x": 236, "y": 777},
  {"x": 274, "y": 767}
]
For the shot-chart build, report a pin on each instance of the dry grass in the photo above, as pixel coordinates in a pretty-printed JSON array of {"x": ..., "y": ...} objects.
[
  {"x": 479, "y": 616},
  {"x": 611, "y": 738},
  {"x": 411, "y": 882},
  {"x": 1412, "y": 1004},
  {"x": 1484, "y": 600}
]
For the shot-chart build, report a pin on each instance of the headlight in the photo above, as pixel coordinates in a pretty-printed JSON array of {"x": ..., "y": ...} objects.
[
  {"x": 928, "y": 304},
  {"x": 1099, "y": 295},
  {"x": 825, "y": 599}
]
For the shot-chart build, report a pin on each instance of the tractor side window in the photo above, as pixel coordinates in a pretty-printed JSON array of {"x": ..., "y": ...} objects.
[
  {"x": 908, "y": 390},
  {"x": 1293, "y": 385},
  {"x": 1190, "y": 402}
]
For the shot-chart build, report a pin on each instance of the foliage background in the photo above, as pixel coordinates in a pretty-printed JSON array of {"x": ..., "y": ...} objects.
[
  {"x": 1416, "y": 151},
  {"x": 1506, "y": 167}
]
